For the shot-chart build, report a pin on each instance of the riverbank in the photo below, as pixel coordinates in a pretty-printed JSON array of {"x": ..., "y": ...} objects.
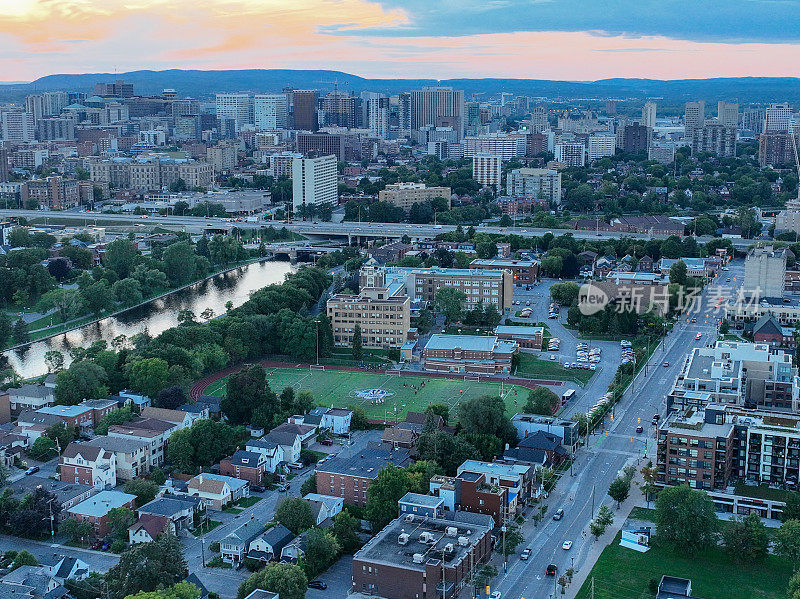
[{"x": 55, "y": 330}]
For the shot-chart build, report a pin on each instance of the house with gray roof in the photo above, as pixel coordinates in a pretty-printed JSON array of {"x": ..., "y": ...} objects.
[
  {"x": 269, "y": 448},
  {"x": 180, "y": 509},
  {"x": 269, "y": 544}
]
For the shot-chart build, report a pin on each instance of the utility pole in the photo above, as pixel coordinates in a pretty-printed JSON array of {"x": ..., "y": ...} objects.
[
  {"x": 592, "y": 500},
  {"x": 505, "y": 555},
  {"x": 592, "y": 587}
]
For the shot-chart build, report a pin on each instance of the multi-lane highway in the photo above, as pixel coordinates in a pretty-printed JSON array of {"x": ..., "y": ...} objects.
[
  {"x": 350, "y": 230},
  {"x": 606, "y": 453}
]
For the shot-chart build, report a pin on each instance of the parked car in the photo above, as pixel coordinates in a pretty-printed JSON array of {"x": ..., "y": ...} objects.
[
  {"x": 326, "y": 442},
  {"x": 551, "y": 570},
  {"x": 559, "y": 513},
  {"x": 640, "y": 429},
  {"x": 566, "y": 545},
  {"x": 317, "y": 584},
  {"x": 32, "y": 470},
  {"x": 526, "y": 553},
  {"x": 256, "y": 488}
]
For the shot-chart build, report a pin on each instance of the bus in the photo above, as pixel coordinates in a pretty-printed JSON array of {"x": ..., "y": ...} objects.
[{"x": 567, "y": 395}]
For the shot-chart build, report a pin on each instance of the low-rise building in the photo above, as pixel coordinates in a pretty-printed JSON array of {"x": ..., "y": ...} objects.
[
  {"x": 383, "y": 317},
  {"x": 428, "y": 506},
  {"x": 476, "y": 354},
  {"x": 350, "y": 477},
  {"x": 527, "y": 337},
  {"x": 154, "y": 432},
  {"x": 148, "y": 528},
  {"x": 518, "y": 479},
  {"x": 406, "y": 195},
  {"x": 234, "y": 546},
  {"x": 335, "y": 420},
  {"x": 324, "y": 507},
  {"x": 180, "y": 418},
  {"x": 88, "y": 465},
  {"x": 567, "y": 430},
  {"x": 131, "y": 455},
  {"x": 68, "y": 494},
  {"x": 95, "y": 509},
  {"x": 180, "y": 509},
  {"x": 30, "y": 397},
  {"x": 271, "y": 450},
  {"x": 415, "y": 557},
  {"x": 268, "y": 544},
  {"x": 217, "y": 490},
  {"x": 525, "y": 272},
  {"x": 246, "y": 465}
]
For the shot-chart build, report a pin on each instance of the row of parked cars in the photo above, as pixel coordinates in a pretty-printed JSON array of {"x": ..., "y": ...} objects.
[
  {"x": 552, "y": 311},
  {"x": 554, "y": 344},
  {"x": 627, "y": 352},
  {"x": 586, "y": 357}
]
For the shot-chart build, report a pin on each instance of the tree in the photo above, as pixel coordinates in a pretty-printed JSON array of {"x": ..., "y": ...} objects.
[
  {"x": 794, "y": 586},
  {"x": 146, "y": 567},
  {"x": 75, "y": 530},
  {"x": 5, "y": 473},
  {"x": 450, "y": 302},
  {"x": 746, "y": 539},
  {"x": 99, "y": 297},
  {"x": 552, "y": 265},
  {"x": 685, "y": 519},
  {"x": 597, "y": 529},
  {"x": 542, "y": 400},
  {"x": 149, "y": 376},
  {"x": 171, "y": 398},
  {"x": 247, "y": 390},
  {"x": 605, "y": 516},
  {"x": 677, "y": 273},
  {"x": 357, "y": 347},
  {"x": 513, "y": 538},
  {"x": 128, "y": 292},
  {"x": 120, "y": 416},
  {"x": 648, "y": 487},
  {"x": 446, "y": 450},
  {"x": 487, "y": 415},
  {"x": 564, "y": 294},
  {"x": 43, "y": 449},
  {"x": 24, "y": 558},
  {"x": 82, "y": 380},
  {"x": 287, "y": 580},
  {"x": 144, "y": 490},
  {"x": 439, "y": 409},
  {"x": 787, "y": 541},
  {"x": 182, "y": 590},
  {"x": 68, "y": 303},
  {"x": 20, "y": 331},
  {"x": 179, "y": 263},
  {"x": 5, "y": 328},
  {"x": 384, "y": 493},
  {"x": 62, "y": 433},
  {"x": 345, "y": 529},
  {"x": 54, "y": 360},
  {"x": 322, "y": 549},
  {"x": 121, "y": 256},
  {"x": 119, "y": 519},
  {"x": 619, "y": 489},
  {"x": 295, "y": 514},
  {"x": 486, "y": 249}
]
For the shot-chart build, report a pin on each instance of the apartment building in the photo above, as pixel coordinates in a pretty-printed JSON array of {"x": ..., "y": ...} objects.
[
  {"x": 155, "y": 433},
  {"x": 52, "y": 192},
  {"x": 481, "y": 286},
  {"x": 415, "y": 557},
  {"x": 765, "y": 272},
  {"x": 406, "y": 195},
  {"x": 88, "y": 465},
  {"x": 505, "y": 145},
  {"x": 349, "y": 477},
  {"x": 715, "y": 138},
  {"x": 570, "y": 154},
  {"x": 96, "y": 508},
  {"x": 525, "y": 272},
  {"x": 536, "y": 183},
  {"x": 314, "y": 182},
  {"x": 487, "y": 170},
  {"x": 470, "y": 492},
  {"x": 751, "y": 375},
  {"x": 270, "y": 111},
  {"x": 384, "y": 318},
  {"x": 130, "y": 455},
  {"x": 150, "y": 174},
  {"x": 476, "y": 354}
]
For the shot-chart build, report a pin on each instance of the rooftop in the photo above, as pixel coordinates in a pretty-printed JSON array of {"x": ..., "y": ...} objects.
[
  {"x": 466, "y": 342},
  {"x": 100, "y": 504},
  {"x": 65, "y": 411},
  {"x": 367, "y": 463},
  {"x": 465, "y": 531},
  {"x": 419, "y": 499},
  {"x": 493, "y": 468},
  {"x": 504, "y": 262}
]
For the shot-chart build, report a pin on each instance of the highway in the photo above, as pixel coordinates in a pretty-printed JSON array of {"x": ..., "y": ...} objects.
[
  {"x": 193, "y": 224},
  {"x": 604, "y": 456}
]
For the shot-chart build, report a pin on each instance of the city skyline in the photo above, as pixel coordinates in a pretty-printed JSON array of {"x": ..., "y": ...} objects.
[{"x": 504, "y": 38}]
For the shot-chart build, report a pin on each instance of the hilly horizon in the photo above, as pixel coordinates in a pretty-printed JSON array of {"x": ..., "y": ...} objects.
[{"x": 202, "y": 84}]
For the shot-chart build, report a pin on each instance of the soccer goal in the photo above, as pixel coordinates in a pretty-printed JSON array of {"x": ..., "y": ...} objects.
[
  {"x": 316, "y": 367},
  {"x": 473, "y": 377}
]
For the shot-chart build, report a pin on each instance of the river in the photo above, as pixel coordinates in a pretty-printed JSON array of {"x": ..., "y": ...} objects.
[{"x": 156, "y": 316}]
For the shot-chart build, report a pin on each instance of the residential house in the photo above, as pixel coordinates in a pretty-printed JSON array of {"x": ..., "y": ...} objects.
[
  {"x": 178, "y": 417},
  {"x": 95, "y": 509},
  {"x": 399, "y": 436},
  {"x": 349, "y": 477},
  {"x": 32, "y": 424},
  {"x": 100, "y": 407},
  {"x": 67, "y": 494},
  {"x": 180, "y": 509},
  {"x": 539, "y": 448},
  {"x": 645, "y": 264},
  {"x": 5, "y": 407},
  {"x": 68, "y": 567},
  {"x": 197, "y": 410},
  {"x": 128, "y": 398},
  {"x": 148, "y": 528},
  {"x": 417, "y": 504},
  {"x": 77, "y": 415},
  {"x": 247, "y": 465},
  {"x": 211, "y": 403},
  {"x": 131, "y": 455},
  {"x": 234, "y": 546},
  {"x": 11, "y": 446},
  {"x": 294, "y": 549},
  {"x": 268, "y": 545},
  {"x": 305, "y": 432},
  {"x": 272, "y": 452},
  {"x": 289, "y": 443},
  {"x": 30, "y": 397},
  {"x": 217, "y": 490},
  {"x": 262, "y": 594},
  {"x": 335, "y": 420},
  {"x": 768, "y": 329},
  {"x": 324, "y": 506},
  {"x": 517, "y": 479},
  {"x": 87, "y": 465},
  {"x": 34, "y": 581}
]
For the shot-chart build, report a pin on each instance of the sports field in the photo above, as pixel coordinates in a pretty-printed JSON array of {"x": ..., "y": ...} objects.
[{"x": 383, "y": 396}]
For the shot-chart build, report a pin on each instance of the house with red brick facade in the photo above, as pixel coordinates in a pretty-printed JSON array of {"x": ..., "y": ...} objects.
[
  {"x": 246, "y": 465},
  {"x": 350, "y": 477},
  {"x": 87, "y": 465},
  {"x": 95, "y": 509}
]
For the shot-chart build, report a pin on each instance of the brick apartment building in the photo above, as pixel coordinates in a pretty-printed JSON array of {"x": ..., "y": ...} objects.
[
  {"x": 350, "y": 477},
  {"x": 525, "y": 272},
  {"x": 245, "y": 465},
  {"x": 384, "y": 318},
  {"x": 469, "y": 353}
]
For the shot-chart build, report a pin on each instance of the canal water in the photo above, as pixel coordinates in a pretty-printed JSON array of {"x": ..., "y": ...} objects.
[{"x": 155, "y": 317}]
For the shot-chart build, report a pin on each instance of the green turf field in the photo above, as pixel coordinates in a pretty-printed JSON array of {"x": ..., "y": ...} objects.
[{"x": 338, "y": 388}]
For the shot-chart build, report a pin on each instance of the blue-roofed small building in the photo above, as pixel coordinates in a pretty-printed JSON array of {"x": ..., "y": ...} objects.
[
  {"x": 95, "y": 509},
  {"x": 421, "y": 505}
]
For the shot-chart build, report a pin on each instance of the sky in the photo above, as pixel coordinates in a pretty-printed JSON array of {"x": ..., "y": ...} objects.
[{"x": 539, "y": 39}]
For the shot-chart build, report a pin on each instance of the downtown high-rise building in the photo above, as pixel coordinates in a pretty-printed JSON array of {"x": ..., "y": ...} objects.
[
  {"x": 649, "y": 114},
  {"x": 778, "y": 118},
  {"x": 238, "y": 107},
  {"x": 728, "y": 114},
  {"x": 539, "y": 120},
  {"x": 377, "y": 114},
  {"x": 339, "y": 109},
  {"x": 314, "y": 182},
  {"x": 694, "y": 118},
  {"x": 270, "y": 111},
  {"x": 439, "y": 107},
  {"x": 304, "y": 109},
  {"x": 752, "y": 119},
  {"x": 404, "y": 112}
]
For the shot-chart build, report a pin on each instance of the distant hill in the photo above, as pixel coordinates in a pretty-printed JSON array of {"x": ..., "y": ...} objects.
[{"x": 201, "y": 84}]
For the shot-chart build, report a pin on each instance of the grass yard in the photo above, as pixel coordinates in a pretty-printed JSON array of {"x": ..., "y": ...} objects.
[
  {"x": 531, "y": 367},
  {"x": 338, "y": 388},
  {"x": 762, "y": 492},
  {"x": 207, "y": 527},
  {"x": 624, "y": 573}
]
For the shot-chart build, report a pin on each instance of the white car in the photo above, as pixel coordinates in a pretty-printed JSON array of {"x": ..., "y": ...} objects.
[
  {"x": 496, "y": 595},
  {"x": 566, "y": 545}
]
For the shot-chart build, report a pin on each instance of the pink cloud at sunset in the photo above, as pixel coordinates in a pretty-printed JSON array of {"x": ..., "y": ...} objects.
[{"x": 40, "y": 37}]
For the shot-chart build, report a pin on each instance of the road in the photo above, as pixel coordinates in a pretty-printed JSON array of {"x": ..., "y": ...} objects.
[
  {"x": 49, "y": 553},
  {"x": 225, "y": 581},
  {"x": 606, "y": 453},
  {"x": 193, "y": 224}
]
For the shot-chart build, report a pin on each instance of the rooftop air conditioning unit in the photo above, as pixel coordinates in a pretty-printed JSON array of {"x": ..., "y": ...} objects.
[
  {"x": 426, "y": 537},
  {"x": 409, "y": 517},
  {"x": 463, "y": 541},
  {"x": 402, "y": 539},
  {"x": 451, "y": 531},
  {"x": 418, "y": 558},
  {"x": 449, "y": 548}
]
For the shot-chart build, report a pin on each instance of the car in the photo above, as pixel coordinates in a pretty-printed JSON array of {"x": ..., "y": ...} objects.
[
  {"x": 326, "y": 442},
  {"x": 698, "y": 336},
  {"x": 694, "y": 320},
  {"x": 566, "y": 545},
  {"x": 526, "y": 553},
  {"x": 665, "y": 364},
  {"x": 640, "y": 429},
  {"x": 654, "y": 422},
  {"x": 317, "y": 584},
  {"x": 495, "y": 595},
  {"x": 284, "y": 488},
  {"x": 656, "y": 417},
  {"x": 559, "y": 513},
  {"x": 728, "y": 280},
  {"x": 551, "y": 570},
  {"x": 97, "y": 545},
  {"x": 106, "y": 546},
  {"x": 32, "y": 470},
  {"x": 294, "y": 465},
  {"x": 257, "y": 488}
]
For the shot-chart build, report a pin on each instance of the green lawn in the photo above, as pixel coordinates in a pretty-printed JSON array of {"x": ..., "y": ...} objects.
[
  {"x": 761, "y": 492},
  {"x": 624, "y": 573},
  {"x": 246, "y": 502},
  {"x": 206, "y": 528},
  {"x": 531, "y": 367},
  {"x": 338, "y": 388}
]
